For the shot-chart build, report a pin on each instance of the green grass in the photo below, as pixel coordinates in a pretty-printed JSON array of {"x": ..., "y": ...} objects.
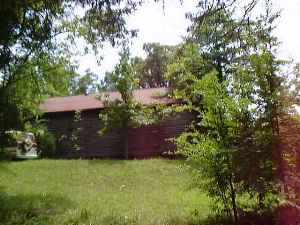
[{"x": 99, "y": 192}]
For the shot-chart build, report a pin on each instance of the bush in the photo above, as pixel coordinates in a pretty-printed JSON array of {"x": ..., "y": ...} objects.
[
  {"x": 47, "y": 145},
  {"x": 8, "y": 153}
]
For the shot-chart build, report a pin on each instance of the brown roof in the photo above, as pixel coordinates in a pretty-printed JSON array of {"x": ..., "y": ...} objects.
[{"x": 86, "y": 102}]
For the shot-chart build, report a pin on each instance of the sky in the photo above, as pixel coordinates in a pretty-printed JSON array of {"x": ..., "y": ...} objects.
[{"x": 169, "y": 25}]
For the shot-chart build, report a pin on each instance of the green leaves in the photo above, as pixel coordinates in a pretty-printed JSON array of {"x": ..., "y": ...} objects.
[
  {"x": 229, "y": 75},
  {"x": 123, "y": 78},
  {"x": 151, "y": 70},
  {"x": 119, "y": 113}
]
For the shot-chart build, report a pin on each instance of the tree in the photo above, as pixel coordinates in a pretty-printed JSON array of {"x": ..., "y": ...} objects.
[
  {"x": 149, "y": 71},
  {"x": 186, "y": 66},
  {"x": 124, "y": 112},
  {"x": 54, "y": 76},
  {"x": 213, "y": 149},
  {"x": 85, "y": 84},
  {"x": 31, "y": 26},
  {"x": 119, "y": 113},
  {"x": 39, "y": 78},
  {"x": 235, "y": 94},
  {"x": 223, "y": 33}
]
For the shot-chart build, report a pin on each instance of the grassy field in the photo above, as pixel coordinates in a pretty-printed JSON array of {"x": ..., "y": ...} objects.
[{"x": 106, "y": 192}]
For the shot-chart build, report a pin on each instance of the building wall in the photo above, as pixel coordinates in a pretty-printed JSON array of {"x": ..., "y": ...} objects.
[
  {"x": 143, "y": 142},
  {"x": 154, "y": 140}
]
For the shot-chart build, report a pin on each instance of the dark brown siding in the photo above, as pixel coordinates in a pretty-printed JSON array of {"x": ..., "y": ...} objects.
[
  {"x": 154, "y": 140},
  {"x": 90, "y": 142},
  {"x": 143, "y": 142}
]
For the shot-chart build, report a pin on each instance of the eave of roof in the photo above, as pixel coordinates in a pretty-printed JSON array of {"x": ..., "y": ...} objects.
[{"x": 90, "y": 102}]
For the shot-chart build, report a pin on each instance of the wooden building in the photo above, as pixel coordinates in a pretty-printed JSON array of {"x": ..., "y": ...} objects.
[{"x": 143, "y": 142}]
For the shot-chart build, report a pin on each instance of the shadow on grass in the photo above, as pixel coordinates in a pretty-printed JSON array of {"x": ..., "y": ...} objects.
[{"x": 30, "y": 209}]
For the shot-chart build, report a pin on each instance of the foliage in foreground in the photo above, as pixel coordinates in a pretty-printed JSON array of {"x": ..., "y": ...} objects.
[{"x": 234, "y": 88}]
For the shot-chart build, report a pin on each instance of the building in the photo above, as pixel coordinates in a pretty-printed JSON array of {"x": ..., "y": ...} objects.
[{"x": 143, "y": 142}]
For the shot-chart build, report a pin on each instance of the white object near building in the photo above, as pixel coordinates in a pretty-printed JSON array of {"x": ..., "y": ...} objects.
[{"x": 27, "y": 147}]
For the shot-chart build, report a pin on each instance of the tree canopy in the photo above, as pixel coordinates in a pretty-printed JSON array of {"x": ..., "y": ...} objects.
[
  {"x": 234, "y": 88},
  {"x": 151, "y": 71}
]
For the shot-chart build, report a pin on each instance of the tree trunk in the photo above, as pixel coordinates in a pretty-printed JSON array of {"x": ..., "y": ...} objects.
[
  {"x": 261, "y": 200},
  {"x": 233, "y": 201}
]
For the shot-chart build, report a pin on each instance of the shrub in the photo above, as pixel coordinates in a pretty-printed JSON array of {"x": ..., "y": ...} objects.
[
  {"x": 47, "y": 145},
  {"x": 8, "y": 153}
]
